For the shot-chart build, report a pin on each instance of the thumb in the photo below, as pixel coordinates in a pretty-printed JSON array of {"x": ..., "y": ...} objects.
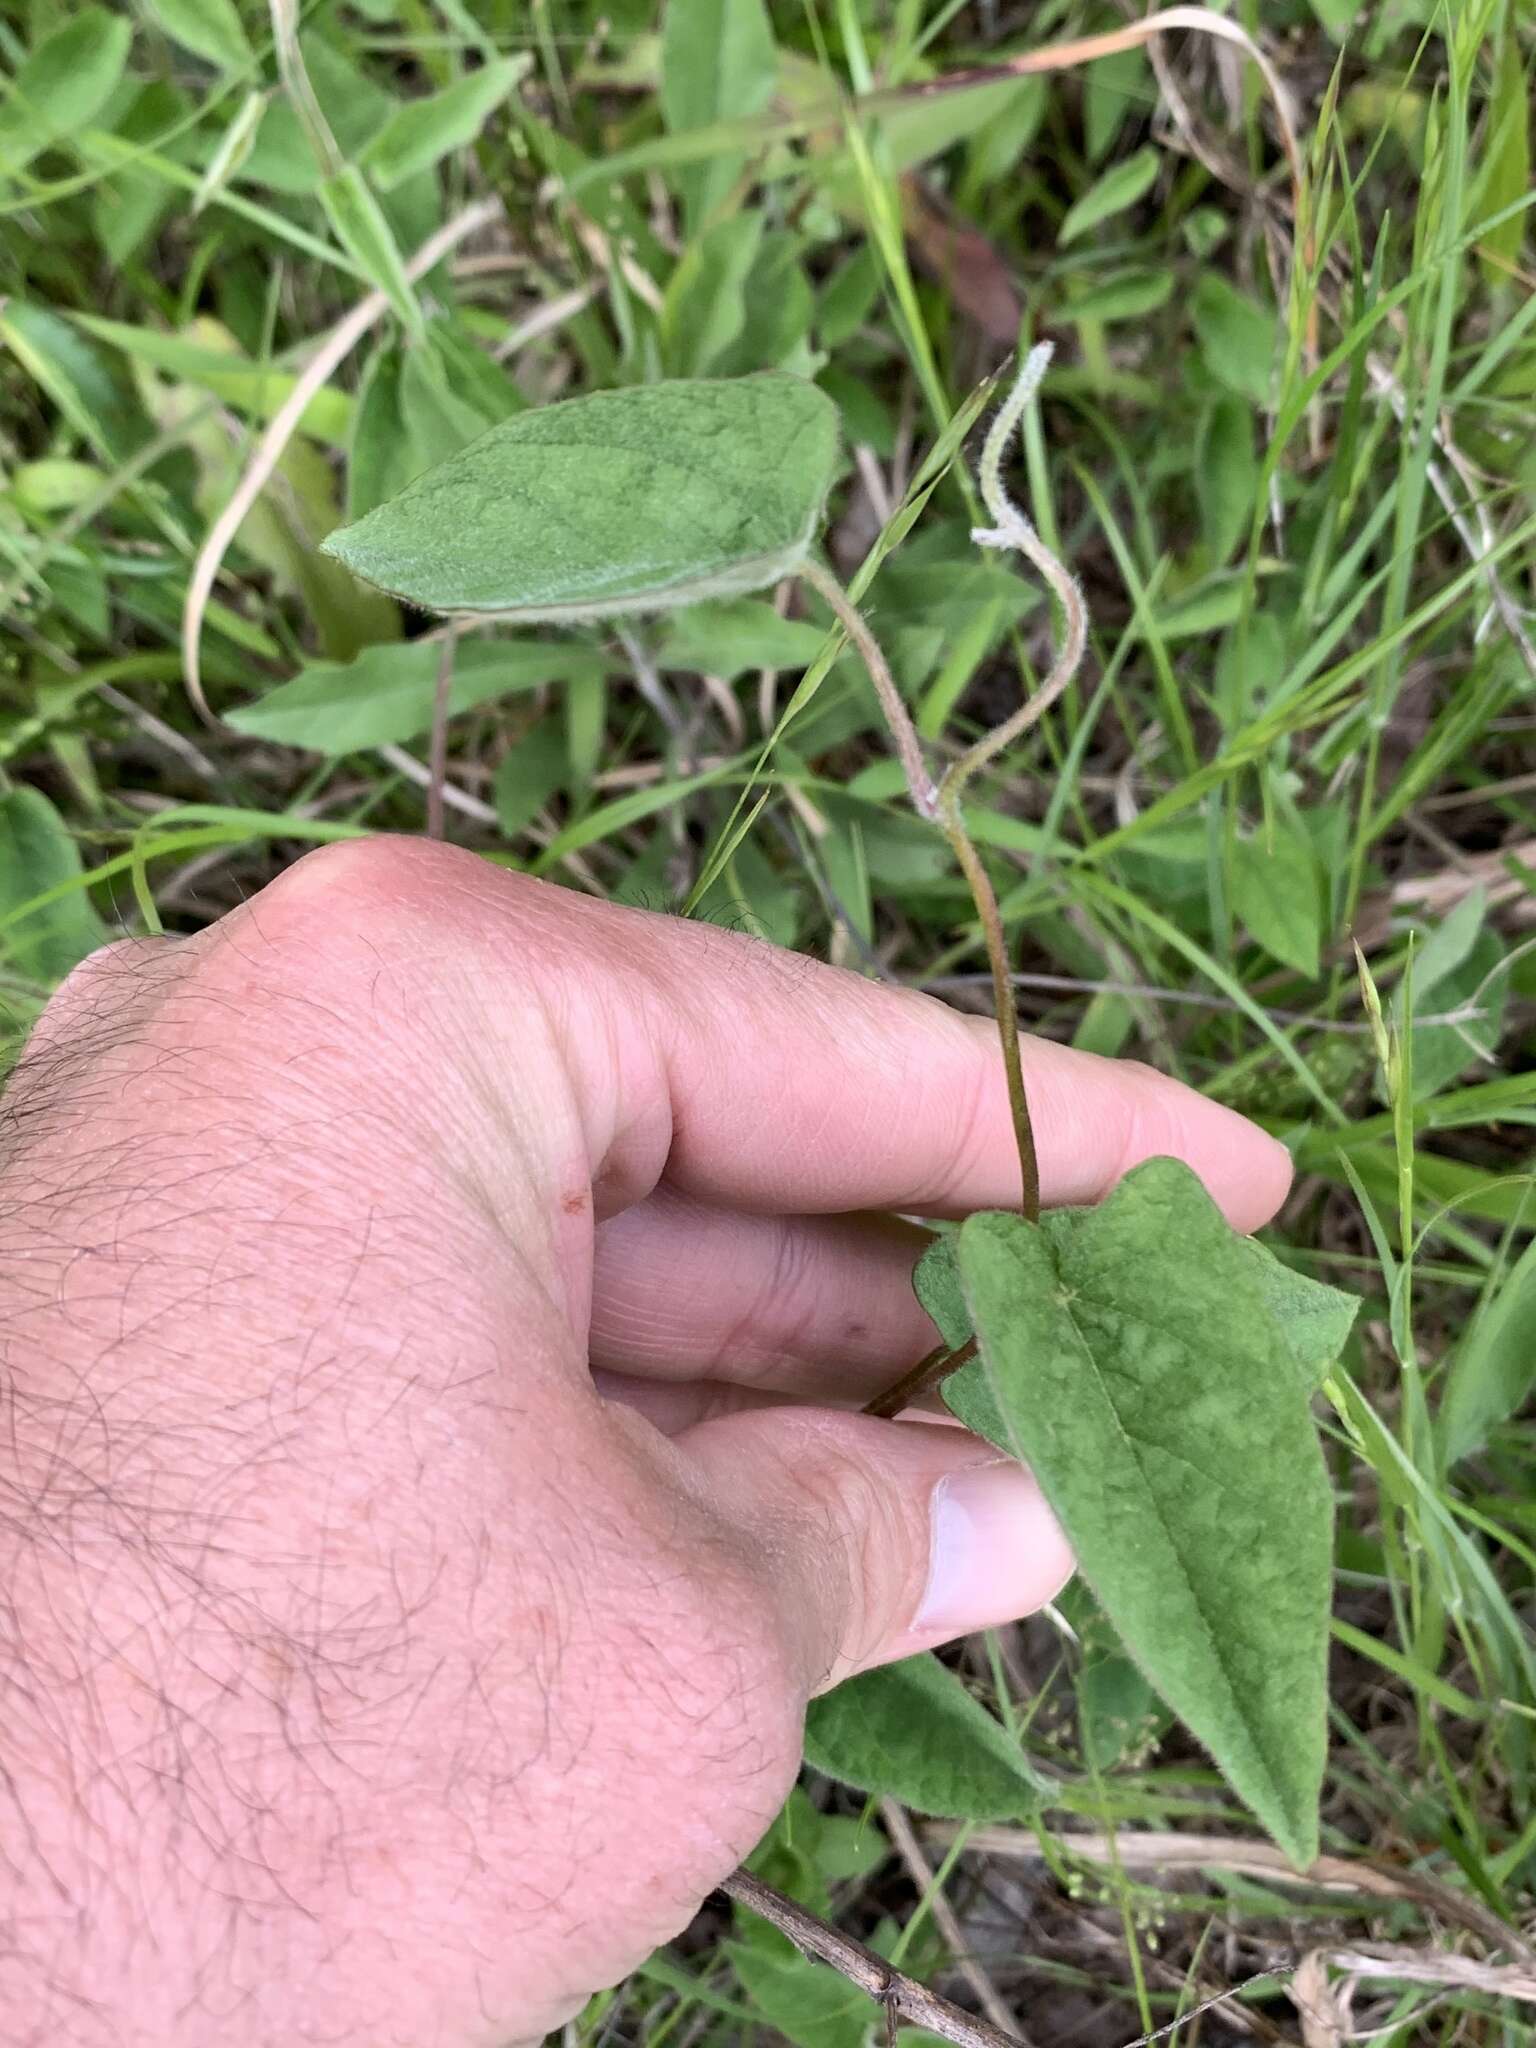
[{"x": 875, "y": 1540}]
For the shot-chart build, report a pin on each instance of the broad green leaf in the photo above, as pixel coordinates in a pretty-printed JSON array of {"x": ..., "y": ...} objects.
[
  {"x": 1002, "y": 136},
  {"x": 621, "y": 501},
  {"x": 1113, "y": 193},
  {"x": 585, "y": 708},
  {"x": 1277, "y": 892},
  {"x": 801, "y": 1999},
  {"x": 1226, "y": 476},
  {"x": 911, "y": 1731},
  {"x": 55, "y": 484},
  {"x": 1457, "y": 967},
  {"x": 1118, "y": 1714},
  {"x": 1479, "y": 987},
  {"x": 1115, "y": 89},
  {"x": 1131, "y": 1357},
  {"x": 1337, "y": 16},
  {"x": 62, "y": 85},
  {"x": 208, "y": 28},
  {"x": 383, "y": 696},
  {"x": 848, "y": 297},
  {"x": 704, "y": 308},
  {"x": 408, "y": 419},
  {"x": 80, "y": 589},
  {"x": 936, "y": 1283},
  {"x": 278, "y": 157},
  {"x": 806, "y": 1851},
  {"x": 1494, "y": 1368},
  {"x": 126, "y": 208},
  {"x": 779, "y": 304},
  {"x": 718, "y": 63},
  {"x": 1445, "y": 948},
  {"x": 1314, "y": 1319},
  {"x": 472, "y": 375},
  {"x": 37, "y": 854},
  {"x": 93, "y": 402},
  {"x": 727, "y": 639},
  {"x": 421, "y": 132},
  {"x": 528, "y": 775},
  {"x": 1237, "y": 336},
  {"x": 1194, "y": 614},
  {"x": 1117, "y": 1710},
  {"x": 1123, "y": 295}
]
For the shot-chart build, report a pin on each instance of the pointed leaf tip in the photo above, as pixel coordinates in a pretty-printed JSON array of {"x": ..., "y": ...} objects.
[{"x": 1138, "y": 1357}]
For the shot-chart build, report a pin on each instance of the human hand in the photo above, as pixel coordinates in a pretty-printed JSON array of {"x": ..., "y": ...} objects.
[{"x": 434, "y": 1305}]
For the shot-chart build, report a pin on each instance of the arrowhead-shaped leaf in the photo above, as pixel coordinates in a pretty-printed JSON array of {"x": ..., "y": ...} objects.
[
  {"x": 619, "y": 501},
  {"x": 1136, "y": 1356}
]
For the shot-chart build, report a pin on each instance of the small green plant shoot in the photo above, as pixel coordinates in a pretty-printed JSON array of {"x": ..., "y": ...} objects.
[{"x": 1153, "y": 1368}]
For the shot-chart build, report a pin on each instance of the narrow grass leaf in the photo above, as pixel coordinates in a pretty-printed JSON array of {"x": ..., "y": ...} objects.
[
  {"x": 1506, "y": 172},
  {"x": 1160, "y": 1410},
  {"x": 362, "y": 229},
  {"x": 621, "y": 501}
]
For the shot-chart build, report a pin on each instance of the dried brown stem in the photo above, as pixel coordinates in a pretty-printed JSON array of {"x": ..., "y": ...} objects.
[
  {"x": 268, "y": 452},
  {"x": 899, "y": 1827},
  {"x": 901, "y": 1996}
]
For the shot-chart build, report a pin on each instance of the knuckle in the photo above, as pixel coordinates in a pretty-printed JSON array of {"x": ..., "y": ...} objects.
[
  {"x": 357, "y": 885},
  {"x": 101, "y": 1004}
]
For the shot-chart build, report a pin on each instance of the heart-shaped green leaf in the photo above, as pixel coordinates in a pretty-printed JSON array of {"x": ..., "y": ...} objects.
[
  {"x": 1138, "y": 1358},
  {"x": 620, "y": 501},
  {"x": 1314, "y": 1319},
  {"x": 912, "y": 1732}
]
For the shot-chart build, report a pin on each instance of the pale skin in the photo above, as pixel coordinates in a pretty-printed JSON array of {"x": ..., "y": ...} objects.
[{"x": 435, "y": 1310}]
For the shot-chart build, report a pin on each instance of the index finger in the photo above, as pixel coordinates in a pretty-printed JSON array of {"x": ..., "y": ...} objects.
[
  {"x": 743, "y": 1074},
  {"x": 799, "y": 1086}
]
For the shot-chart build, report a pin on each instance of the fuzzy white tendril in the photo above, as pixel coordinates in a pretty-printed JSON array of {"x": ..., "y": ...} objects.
[{"x": 1012, "y": 529}]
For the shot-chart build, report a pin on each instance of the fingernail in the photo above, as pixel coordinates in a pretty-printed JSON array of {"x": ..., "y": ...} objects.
[{"x": 996, "y": 1551}]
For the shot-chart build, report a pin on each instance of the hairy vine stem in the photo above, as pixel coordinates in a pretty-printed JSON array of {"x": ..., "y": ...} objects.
[{"x": 941, "y": 801}]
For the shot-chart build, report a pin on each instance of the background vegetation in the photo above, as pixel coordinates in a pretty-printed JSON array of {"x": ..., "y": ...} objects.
[{"x": 1291, "y": 461}]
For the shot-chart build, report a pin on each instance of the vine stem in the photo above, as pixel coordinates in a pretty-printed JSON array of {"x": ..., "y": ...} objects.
[
  {"x": 941, "y": 801},
  {"x": 922, "y": 1379},
  {"x": 903, "y": 1997}
]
